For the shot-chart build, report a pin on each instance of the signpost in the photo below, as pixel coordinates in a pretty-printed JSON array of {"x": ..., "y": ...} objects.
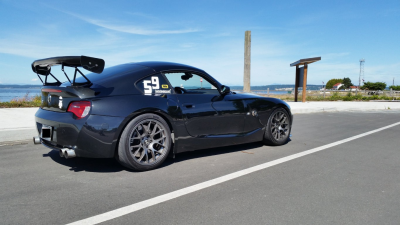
[{"x": 301, "y": 75}]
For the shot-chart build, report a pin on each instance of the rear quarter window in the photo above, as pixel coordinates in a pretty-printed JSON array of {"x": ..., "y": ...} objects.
[{"x": 154, "y": 85}]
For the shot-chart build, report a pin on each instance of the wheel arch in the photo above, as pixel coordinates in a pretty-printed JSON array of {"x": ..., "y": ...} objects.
[
  {"x": 287, "y": 109},
  {"x": 133, "y": 116}
]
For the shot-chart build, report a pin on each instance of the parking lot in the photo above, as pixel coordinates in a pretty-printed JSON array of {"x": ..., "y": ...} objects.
[{"x": 351, "y": 182}]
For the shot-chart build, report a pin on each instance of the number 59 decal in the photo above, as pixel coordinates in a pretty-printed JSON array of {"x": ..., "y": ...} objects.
[{"x": 151, "y": 84}]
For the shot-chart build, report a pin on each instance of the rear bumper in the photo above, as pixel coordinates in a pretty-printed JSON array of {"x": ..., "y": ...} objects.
[{"x": 94, "y": 136}]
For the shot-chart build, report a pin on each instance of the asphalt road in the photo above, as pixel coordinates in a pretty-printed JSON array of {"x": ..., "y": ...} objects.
[{"x": 356, "y": 182}]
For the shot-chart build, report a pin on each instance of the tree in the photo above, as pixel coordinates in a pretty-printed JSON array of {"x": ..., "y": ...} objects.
[
  {"x": 331, "y": 82},
  {"x": 395, "y": 88},
  {"x": 347, "y": 82},
  {"x": 373, "y": 86}
]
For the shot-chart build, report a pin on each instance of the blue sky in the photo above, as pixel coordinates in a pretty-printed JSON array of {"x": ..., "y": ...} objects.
[{"x": 208, "y": 35}]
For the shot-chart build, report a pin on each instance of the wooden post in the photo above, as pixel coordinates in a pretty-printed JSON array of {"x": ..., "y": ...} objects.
[
  {"x": 296, "y": 83},
  {"x": 304, "y": 83},
  {"x": 391, "y": 93},
  {"x": 247, "y": 48}
]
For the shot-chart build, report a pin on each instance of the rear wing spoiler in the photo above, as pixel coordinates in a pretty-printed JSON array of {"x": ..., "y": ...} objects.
[{"x": 43, "y": 67}]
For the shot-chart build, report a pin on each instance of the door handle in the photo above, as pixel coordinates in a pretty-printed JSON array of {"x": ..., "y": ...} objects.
[{"x": 188, "y": 105}]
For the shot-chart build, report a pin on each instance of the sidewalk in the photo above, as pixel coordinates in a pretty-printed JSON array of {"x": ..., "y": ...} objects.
[
  {"x": 19, "y": 123},
  {"x": 316, "y": 107}
]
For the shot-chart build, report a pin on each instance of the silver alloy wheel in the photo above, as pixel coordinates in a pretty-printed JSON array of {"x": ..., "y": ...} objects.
[
  {"x": 279, "y": 126},
  {"x": 147, "y": 142}
]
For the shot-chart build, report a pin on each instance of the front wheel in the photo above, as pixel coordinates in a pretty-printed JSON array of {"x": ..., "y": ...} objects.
[
  {"x": 144, "y": 143},
  {"x": 278, "y": 128}
]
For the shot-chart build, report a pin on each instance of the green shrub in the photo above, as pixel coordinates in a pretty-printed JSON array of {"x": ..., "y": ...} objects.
[
  {"x": 25, "y": 101},
  {"x": 347, "y": 98},
  {"x": 373, "y": 86},
  {"x": 395, "y": 87},
  {"x": 335, "y": 96},
  {"x": 357, "y": 97}
]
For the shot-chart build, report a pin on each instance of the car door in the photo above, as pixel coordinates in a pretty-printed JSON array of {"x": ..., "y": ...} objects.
[
  {"x": 231, "y": 114},
  {"x": 206, "y": 112}
]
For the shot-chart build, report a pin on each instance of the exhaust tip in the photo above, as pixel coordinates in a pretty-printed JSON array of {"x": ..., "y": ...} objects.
[
  {"x": 69, "y": 154},
  {"x": 62, "y": 152},
  {"x": 36, "y": 140}
]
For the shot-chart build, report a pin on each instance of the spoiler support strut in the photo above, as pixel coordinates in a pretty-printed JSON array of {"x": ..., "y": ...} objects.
[
  {"x": 58, "y": 82},
  {"x": 62, "y": 68},
  {"x": 39, "y": 78},
  {"x": 77, "y": 70}
]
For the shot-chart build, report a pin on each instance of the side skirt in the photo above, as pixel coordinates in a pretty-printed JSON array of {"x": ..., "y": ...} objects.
[{"x": 185, "y": 144}]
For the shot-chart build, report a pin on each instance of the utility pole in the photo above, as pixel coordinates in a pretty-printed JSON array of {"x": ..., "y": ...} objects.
[
  {"x": 247, "y": 63},
  {"x": 361, "y": 76}
]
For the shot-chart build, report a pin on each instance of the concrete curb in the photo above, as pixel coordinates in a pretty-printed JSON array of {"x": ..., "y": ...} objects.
[
  {"x": 318, "y": 107},
  {"x": 19, "y": 123}
]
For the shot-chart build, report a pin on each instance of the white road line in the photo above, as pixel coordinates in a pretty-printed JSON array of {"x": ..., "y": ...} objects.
[
  {"x": 184, "y": 191},
  {"x": 21, "y": 128}
]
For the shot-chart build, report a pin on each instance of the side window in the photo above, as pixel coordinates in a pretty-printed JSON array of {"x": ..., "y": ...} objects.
[
  {"x": 154, "y": 85},
  {"x": 190, "y": 83}
]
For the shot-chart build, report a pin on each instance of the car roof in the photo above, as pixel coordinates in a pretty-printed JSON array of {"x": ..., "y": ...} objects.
[{"x": 158, "y": 66}]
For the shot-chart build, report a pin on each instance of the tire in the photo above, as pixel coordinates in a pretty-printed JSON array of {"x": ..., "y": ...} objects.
[
  {"x": 145, "y": 143},
  {"x": 278, "y": 128}
]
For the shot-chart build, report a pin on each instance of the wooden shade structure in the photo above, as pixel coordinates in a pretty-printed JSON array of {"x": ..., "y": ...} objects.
[{"x": 301, "y": 75}]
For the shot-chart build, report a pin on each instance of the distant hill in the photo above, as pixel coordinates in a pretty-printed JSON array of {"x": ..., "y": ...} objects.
[
  {"x": 276, "y": 86},
  {"x": 20, "y": 86}
]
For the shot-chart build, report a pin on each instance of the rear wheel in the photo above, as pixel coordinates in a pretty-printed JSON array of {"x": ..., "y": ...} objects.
[
  {"x": 278, "y": 128},
  {"x": 145, "y": 143}
]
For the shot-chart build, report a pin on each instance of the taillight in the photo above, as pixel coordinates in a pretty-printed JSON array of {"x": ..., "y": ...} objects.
[{"x": 80, "y": 109}]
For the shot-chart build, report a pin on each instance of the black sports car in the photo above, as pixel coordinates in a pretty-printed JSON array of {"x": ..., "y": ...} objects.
[{"x": 140, "y": 113}]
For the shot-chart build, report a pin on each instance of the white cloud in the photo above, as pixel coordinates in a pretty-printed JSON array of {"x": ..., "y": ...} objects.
[
  {"x": 128, "y": 28},
  {"x": 35, "y": 79},
  {"x": 139, "y": 14}
]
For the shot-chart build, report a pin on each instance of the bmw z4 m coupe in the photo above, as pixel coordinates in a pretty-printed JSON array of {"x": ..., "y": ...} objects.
[{"x": 141, "y": 113}]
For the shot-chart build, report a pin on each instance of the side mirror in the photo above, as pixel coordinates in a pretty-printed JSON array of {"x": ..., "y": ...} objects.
[{"x": 225, "y": 90}]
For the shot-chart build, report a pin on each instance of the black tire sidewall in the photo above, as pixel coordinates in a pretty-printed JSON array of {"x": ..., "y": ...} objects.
[
  {"x": 268, "y": 138},
  {"x": 124, "y": 156}
]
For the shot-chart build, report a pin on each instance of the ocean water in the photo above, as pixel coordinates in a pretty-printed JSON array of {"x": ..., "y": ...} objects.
[
  {"x": 270, "y": 92},
  {"x": 7, "y": 94}
]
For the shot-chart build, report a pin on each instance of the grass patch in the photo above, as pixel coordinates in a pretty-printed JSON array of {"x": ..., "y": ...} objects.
[
  {"x": 25, "y": 101},
  {"x": 335, "y": 97}
]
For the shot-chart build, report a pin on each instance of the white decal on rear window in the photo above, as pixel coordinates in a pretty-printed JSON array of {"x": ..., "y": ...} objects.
[
  {"x": 155, "y": 84},
  {"x": 147, "y": 87}
]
